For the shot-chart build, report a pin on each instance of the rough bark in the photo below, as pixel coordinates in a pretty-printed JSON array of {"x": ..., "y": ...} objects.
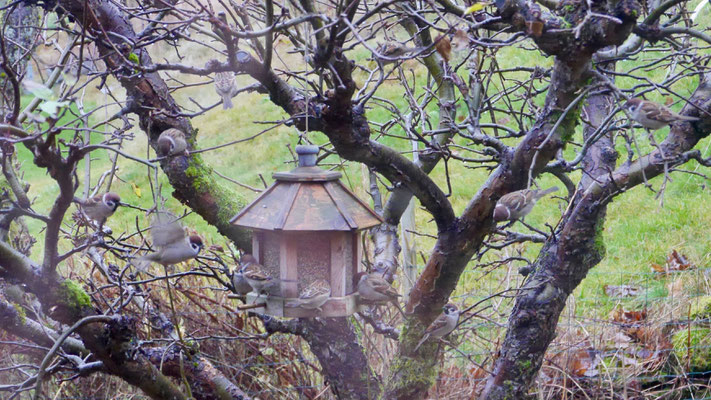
[{"x": 577, "y": 247}]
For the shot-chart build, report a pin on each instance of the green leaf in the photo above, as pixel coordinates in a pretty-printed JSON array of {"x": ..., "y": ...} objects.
[
  {"x": 134, "y": 58},
  {"x": 52, "y": 107}
]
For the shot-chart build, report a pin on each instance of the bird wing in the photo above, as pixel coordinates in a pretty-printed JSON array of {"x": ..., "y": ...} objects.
[
  {"x": 383, "y": 287},
  {"x": 515, "y": 200},
  {"x": 254, "y": 272},
  {"x": 437, "y": 324},
  {"x": 315, "y": 289},
  {"x": 166, "y": 229},
  {"x": 658, "y": 113}
]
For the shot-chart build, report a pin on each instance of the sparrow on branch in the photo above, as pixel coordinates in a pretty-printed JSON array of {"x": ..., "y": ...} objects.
[
  {"x": 172, "y": 244},
  {"x": 100, "y": 207},
  {"x": 653, "y": 116},
  {"x": 443, "y": 325},
  {"x": 518, "y": 204},
  {"x": 225, "y": 86},
  {"x": 375, "y": 289},
  {"x": 171, "y": 142}
]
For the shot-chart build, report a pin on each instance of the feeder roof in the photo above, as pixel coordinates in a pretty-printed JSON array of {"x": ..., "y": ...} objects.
[{"x": 307, "y": 198}]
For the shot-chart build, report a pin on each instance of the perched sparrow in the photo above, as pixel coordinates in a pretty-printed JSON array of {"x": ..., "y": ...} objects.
[
  {"x": 173, "y": 245},
  {"x": 255, "y": 274},
  {"x": 171, "y": 142},
  {"x": 242, "y": 287},
  {"x": 443, "y": 46},
  {"x": 517, "y": 205},
  {"x": 653, "y": 116},
  {"x": 391, "y": 52},
  {"x": 445, "y": 323},
  {"x": 99, "y": 207},
  {"x": 375, "y": 289},
  {"x": 460, "y": 40},
  {"x": 313, "y": 296},
  {"x": 225, "y": 87}
]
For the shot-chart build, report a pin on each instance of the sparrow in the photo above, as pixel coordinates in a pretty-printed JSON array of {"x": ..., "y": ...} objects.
[
  {"x": 653, "y": 116},
  {"x": 255, "y": 274},
  {"x": 443, "y": 46},
  {"x": 242, "y": 287},
  {"x": 390, "y": 53},
  {"x": 99, "y": 207},
  {"x": 518, "y": 204},
  {"x": 374, "y": 288},
  {"x": 443, "y": 325},
  {"x": 460, "y": 40},
  {"x": 171, "y": 142},
  {"x": 313, "y": 296},
  {"x": 173, "y": 245},
  {"x": 225, "y": 87}
]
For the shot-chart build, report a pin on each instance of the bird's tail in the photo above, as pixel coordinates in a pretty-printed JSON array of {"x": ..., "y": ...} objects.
[
  {"x": 397, "y": 304},
  {"x": 227, "y": 102},
  {"x": 423, "y": 340},
  {"x": 141, "y": 263},
  {"x": 687, "y": 118},
  {"x": 546, "y": 192}
]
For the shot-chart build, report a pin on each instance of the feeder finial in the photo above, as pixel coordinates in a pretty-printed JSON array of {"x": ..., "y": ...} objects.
[{"x": 307, "y": 155}]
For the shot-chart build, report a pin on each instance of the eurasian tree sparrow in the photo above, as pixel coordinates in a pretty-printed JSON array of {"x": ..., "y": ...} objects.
[
  {"x": 225, "y": 87},
  {"x": 171, "y": 142},
  {"x": 518, "y": 204},
  {"x": 375, "y": 289},
  {"x": 172, "y": 244},
  {"x": 653, "y": 116},
  {"x": 313, "y": 296},
  {"x": 255, "y": 274},
  {"x": 443, "y": 325},
  {"x": 99, "y": 207},
  {"x": 391, "y": 52},
  {"x": 242, "y": 287}
]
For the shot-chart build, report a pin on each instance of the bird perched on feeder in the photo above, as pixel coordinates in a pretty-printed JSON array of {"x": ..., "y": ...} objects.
[
  {"x": 173, "y": 245},
  {"x": 242, "y": 287},
  {"x": 171, "y": 142},
  {"x": 374, "y": 288},
  {"x": 255, "y": 274},
  {"x": 313, "y": 296},
  {"x": 100, "y": 207},
  {"x": 391, "y": 52},
  {"x": 654, "y": 116},
  {"x": 518, "y": 204},
  {"x": 225, "y": 87},
  {"x": 443, "y": 325}
]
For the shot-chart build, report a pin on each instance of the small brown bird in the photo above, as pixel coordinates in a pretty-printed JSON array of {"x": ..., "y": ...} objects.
[
  {"x": 225, "y": 86},
  {"x": 171, "y": 142},
  {"x": 443, "y": 46},
  {"x": 313, "y": 296},
  {"x": 172, "y": 244},
  {"x": 653, "y": 116},
  {"x": 242, "y": 287},
  {"x": 443, "y": 325},
  {"x": 100, "y": 207},
  {"x": 392, "y": 52},
  {"x": 516, "y": 205},
  {"x": 255, "y": 274},
  {"x": 375, "y": 289},
  {"x": 460, "y": 40}
]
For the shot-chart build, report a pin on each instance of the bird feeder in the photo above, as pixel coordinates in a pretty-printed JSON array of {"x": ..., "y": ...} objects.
[{"x": 307, "y": 226}]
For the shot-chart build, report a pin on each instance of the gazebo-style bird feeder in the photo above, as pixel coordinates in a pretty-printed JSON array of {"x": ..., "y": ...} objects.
[{"x": 306, "y": 226}]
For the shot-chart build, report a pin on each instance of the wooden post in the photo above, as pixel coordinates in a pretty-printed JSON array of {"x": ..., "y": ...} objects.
[
  {"x": 339, "y": 263},
  {"x": 288, "y": 265}
]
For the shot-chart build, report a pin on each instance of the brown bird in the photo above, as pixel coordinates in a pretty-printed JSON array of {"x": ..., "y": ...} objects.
[
  {"x": 100, "y": 207},
  {"x": 171, "y": 142},
  {"x": 443, "y": 325},
  {"x": 653, "y": 116},
  {"x": 516, "y": 205},
  {"x": 225, "y": 86},
  {"x": 460, "y": 40},
  {"x": 392, "y": 52},
  {"x": 313, "y": 296},
  {"x": 443, "y": 46},
  {"x": 255, "y": 274},
  {"x": 375, "y": 289},
  {"x": 172, "y": 244}
]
